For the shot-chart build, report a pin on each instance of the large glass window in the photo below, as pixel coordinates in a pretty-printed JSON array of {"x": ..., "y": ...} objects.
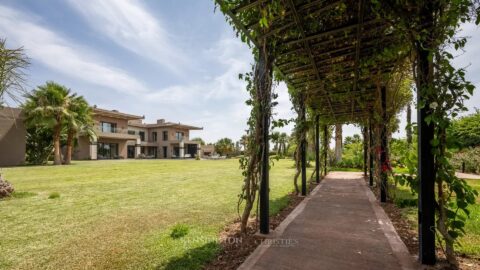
[
  {"x": 131, "y": 151},
  {"x": 109, "y": 127},
  {"x": 107, "y": 150},
  {"x": 165, "y": 135},
  {"x": 165, "y": 150},
  {"x": 179, "y": 135},
  {"x": 142, "y": 135},
  {"x": 131, "y": 132},
  {"x": 154, "y": 136}
]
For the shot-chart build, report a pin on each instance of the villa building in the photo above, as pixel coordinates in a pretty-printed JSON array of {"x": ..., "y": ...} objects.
[{"x": 121, "y": 135}]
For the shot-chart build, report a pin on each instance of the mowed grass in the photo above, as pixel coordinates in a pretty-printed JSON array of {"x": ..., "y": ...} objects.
[
  {"x": 120, "y": 214},
  {"x": 470, "y": 243}
]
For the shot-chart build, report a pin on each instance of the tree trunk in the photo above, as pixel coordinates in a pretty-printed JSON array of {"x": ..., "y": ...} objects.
[
  {"x": 298, "y": 169},
  {"x": 68, "y": 155},
  {"x": 57, "y": 160},
  {"x": 338, "y": 143},
  {"x": 409, "y": 125}
]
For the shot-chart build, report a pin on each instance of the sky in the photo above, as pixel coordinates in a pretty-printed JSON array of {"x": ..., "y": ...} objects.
[{"x": 170, "y": 59}]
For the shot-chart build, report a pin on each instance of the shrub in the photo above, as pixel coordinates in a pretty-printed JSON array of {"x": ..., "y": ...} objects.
[
  {"x": 179, "y": 230},
  {"x": 6, "y": 189},
  {"x": 54, "y": 195},
  {"x": 403, "y": 202}
]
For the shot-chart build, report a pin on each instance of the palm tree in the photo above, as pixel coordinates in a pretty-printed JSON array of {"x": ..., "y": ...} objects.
[
  {"x": 282, "y": 141},
  {"x": 13, "y": 63},
  {"x": 48, "y": 106},
  {"x": 274, "y": 137},
  {"x": 78, "y": 122}
]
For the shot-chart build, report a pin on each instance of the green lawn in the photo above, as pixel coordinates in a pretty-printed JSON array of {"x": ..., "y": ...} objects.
[
  {"x": 120, "y": 214},
  {"x": 470, "y": 243}
]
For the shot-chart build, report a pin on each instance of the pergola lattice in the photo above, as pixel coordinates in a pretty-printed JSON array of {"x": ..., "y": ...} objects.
[{"x": 326, "y": 50}]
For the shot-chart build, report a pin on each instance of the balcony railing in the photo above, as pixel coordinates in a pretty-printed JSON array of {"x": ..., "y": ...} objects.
[{"x": 113, "y": 130}]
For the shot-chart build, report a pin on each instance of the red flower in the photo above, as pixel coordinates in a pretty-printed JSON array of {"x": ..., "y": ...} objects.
[{"x": 386, "y": 167}]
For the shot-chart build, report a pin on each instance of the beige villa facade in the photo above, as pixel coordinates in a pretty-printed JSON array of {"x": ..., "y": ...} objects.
[
  {"x": 121, "y": 135},
  {"x": 12, "y": 137}
]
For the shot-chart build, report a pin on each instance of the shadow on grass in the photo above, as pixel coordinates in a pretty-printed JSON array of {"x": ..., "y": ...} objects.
[
  {"x": 278, "y": 204},
  {"x": 20, "y": 195},
  {"x": 193, "y": 258}
]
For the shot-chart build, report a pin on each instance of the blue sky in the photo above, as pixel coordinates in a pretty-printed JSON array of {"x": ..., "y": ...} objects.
[{"x": 171, "y": 59}]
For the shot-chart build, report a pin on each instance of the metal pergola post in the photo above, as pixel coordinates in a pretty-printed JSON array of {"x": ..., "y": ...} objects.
[
  {"x": 325, "y": 149},
  {"x": 365, "y": 149},
  {"x": 303, "y": 154},
  {"x": 317, "y": 148},
  {"x": 383, "y": 146},
  {"x": 426, "y": 170},
  {"x": 370, "y": 152}
]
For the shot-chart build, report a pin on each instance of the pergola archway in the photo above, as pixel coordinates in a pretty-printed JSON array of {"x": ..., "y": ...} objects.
[{"x": 338, "y": 57}]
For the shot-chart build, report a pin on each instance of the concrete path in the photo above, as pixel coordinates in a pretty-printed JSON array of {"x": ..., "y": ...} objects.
[
  {"x": 338, "y": 226},
  {"x": 467, "y": 175}
]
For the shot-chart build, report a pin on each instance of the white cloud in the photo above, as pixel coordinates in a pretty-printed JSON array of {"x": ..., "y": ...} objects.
[
  {"x": 131, "y": 26},
  {"x": 57, "y": 53},
  {"x": 233, "y": 57}
]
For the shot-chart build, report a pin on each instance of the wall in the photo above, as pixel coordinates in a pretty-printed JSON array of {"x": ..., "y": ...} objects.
[
  {"x": 12, "y": 137},
  {"x": 82, "y": 151}
]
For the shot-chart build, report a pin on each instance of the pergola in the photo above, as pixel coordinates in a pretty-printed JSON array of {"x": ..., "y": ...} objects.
[{"x": 326, "y": 50}]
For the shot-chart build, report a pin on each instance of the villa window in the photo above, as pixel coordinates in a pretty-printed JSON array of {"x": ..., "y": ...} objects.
[
  {"x": 179, "y": 135},
  {"x": 142, "y": 135},
  {"x": 108, "y": 127},
  {"x": 154, "y": 136},
  {"x": 131, "y": 132},
  {"x": 165, "y": 135},
  {"x": 107, "y": 150}
]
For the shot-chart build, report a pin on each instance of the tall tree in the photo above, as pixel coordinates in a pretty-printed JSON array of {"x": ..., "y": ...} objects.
[
  {"x": 224, "y": 147},
  {"x": 79, "y": 121},
  {"x": 13, "y": 63},
  {"x": 338, "y": 142},
  {"x": 465, "y": 131},
  {"x": 48, "y": 106},
  {"x": 409, "y": 125}
]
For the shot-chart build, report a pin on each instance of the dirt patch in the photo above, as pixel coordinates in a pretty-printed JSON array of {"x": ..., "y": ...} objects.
[{"x": 236, "y": 247}]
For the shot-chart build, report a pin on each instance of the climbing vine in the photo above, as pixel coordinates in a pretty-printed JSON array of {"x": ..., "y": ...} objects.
[
  {"x": 299, "y": 133},
  {"x": 431, "y": 27}
]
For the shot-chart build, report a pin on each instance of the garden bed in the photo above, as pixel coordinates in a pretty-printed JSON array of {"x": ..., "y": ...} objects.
[{"x": 234, "y": 253}]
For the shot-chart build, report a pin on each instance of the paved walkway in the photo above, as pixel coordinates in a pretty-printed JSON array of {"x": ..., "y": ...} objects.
[
  {"x": 339, "y": 226},
  {"x": 467, "y": 175}
]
